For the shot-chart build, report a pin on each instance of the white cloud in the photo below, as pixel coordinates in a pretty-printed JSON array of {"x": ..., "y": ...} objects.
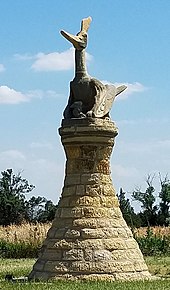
[
  {"x": 56, "y": 61},
  {"x": 150, "y": 147},
  {"x": 11, "y": 154},
  {"x": 25, "y": 56},
  {"x": 12, "y": 159},
  {"x": 39, "y": 145},
  {"x": 10, "y": 96},
  {"x": 45, "y": 173},
  {"x": 39, "y": 94},
  {"x": 2, "y": 68},
  {"x": 131, "y": 89},
  {"x": 121, "y": 171}
]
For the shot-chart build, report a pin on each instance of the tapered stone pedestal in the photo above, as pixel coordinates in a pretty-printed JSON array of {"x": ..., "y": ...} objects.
[{"x": 89, "y": 238}]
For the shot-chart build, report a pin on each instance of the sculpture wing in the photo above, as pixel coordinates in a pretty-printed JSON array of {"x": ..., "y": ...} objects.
[
  {"x": 85, "y": 23},
  {"x": 104, "y": 97}
]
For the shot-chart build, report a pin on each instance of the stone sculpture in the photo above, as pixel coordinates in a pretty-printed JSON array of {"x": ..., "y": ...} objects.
[
  {"x": 88, "y": 96},
  {"x": 89, "y": 239}
]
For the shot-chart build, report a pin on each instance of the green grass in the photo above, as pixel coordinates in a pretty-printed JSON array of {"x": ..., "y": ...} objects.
[{"x": 159, "y": 266}]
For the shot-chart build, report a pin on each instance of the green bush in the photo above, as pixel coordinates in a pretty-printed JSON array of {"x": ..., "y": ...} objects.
[
  {"x": 152, "y": 244},
  {"x": 18, "y": 250}
]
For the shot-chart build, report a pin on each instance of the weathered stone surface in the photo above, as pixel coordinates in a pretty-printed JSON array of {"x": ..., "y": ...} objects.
[
  {"x": 80, "y": 189},
  {"x": 50, "y": 255},
  {"x": 85, "y": 201},
  {"x": 69, "y": 190},
  {"x": 56, "y": 266},
  {"x": 71, "y": 234},
  {"x": 89, "y": 239},
  {"x": 72, "y": 179},
  {"x": 73, "y": 254}
]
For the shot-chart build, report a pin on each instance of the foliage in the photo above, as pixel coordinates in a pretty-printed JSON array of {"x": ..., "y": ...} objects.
[
  {"x": 29, "y": 238},
  {"x": 152, "y": 244},
  {"x": 147, "y": 200},
  {"x": 12, "y": 198},
  {"x": 26, "y": 232},
  {"x": 127, "y": 210},
  {"x": 163, "y": 214},
  {"x": 18, "y": 250},
  {"x": 39, "y": 209},
  {"x": 14, "y": 208}
]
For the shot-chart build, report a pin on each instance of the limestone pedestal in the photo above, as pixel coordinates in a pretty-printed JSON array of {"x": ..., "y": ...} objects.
[{"x": 89, "y": 238}]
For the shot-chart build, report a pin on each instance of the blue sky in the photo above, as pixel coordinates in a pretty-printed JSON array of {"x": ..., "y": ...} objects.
[{"x": 129, "y": 43}]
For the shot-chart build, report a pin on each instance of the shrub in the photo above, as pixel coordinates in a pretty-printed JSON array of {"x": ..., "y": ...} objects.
[
  {"x": 18, "y": 250},
  {"x": 153, "y": 244}
]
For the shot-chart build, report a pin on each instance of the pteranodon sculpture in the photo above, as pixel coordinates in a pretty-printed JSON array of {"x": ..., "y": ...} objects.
[{"x": 88, "y": 96}]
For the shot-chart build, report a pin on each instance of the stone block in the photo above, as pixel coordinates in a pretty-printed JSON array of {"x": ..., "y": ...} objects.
[
  {"x": 88, "y": 254},
  {"x": 62, "y": 222},
  {"x": 75, "y": 212},
  {"x": 73, "y": 254},
  {"x": 72, "y": 151},
  {"x": 51, "y": 232},
  {"x": 104, "y": 266},
  {"x": 118, "y": 223},
  {"x": 37, "y": 275},
  {"x": 109, "y": 190},
  {"x": 69, "y": 190},
  {"x": 89, "y": 201},
  {"x": 132, "y": 276},
  {"x": 119, "y": 255},
  {"x": 56, "y": 266},
  {"x": 92, "y": 234},
  {"x": 72, "y": 234},
  {"x": 89, "y": 244},
  {"x": 109, "y": 201},
  {"x": 101, "y": 255},
  {"x": 39, "y": 265},
  {"x": 134, "y": 254},
  {"x": 51, "y": 255},
  {"x": 103, "y": 166},
  {"x": 93, "y": 178},
  {"x": 64, "y": 202},
  {"x": 60, "y": 244},
  {"x": 60, "y": 233},
  {"x": 93, "y": 190},
  {"x": 72, "y": 179},
  {"x": 140, "y": 266},
  {"x": 131, "y": 244},
  {"x": 129, "y": 232},
  {"x": 114, "y": 244},
  {"x": 58, "y": 212},
  {"x": 80, "y": 189},
  {"x": 122, "y": 233},
  {"x": 106, "y": 179}
]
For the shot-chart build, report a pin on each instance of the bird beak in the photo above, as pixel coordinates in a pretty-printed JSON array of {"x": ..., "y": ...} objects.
[{"x": 74, "y": 39}]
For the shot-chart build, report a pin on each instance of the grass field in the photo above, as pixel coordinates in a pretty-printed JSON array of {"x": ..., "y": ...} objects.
[
  {"x": 33, "y": 235},
  {"x": 159, "y": 266}
]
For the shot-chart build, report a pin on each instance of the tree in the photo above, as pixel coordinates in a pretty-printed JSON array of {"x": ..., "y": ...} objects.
[
  {"x": 12, "y": 198},
  {"x": 147, "y": 200},
  {"x": 34, "y": 207},
  {"x": 49, "y": 212},
  {"x": 164, "y": 205},
  {"x": 39, "y": 209},
  {"x": 127, "y": 210}
]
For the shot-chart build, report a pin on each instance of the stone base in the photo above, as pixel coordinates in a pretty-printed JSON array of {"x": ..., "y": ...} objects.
[{"x": 89, "y": 239}]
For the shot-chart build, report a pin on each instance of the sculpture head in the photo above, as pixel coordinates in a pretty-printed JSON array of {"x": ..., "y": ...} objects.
[{"x": 79, "y": 41}]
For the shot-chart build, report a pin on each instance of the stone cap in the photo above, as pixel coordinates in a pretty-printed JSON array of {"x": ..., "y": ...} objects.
[{"x": 88, "y": 130}]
